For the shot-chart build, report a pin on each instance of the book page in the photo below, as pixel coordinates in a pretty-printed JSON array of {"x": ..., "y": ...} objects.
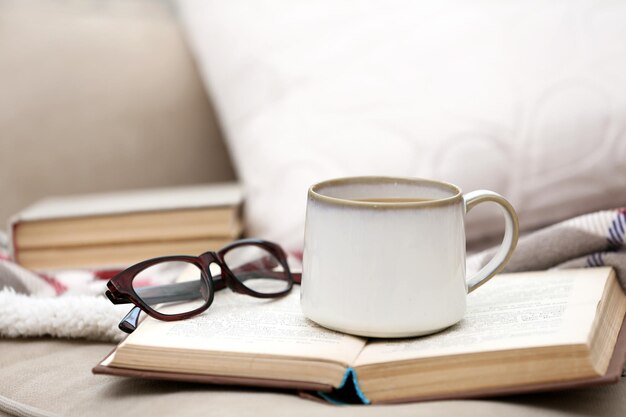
[
  {"x": 512, "y": 311},
  {"x": 241, "y": 324}
]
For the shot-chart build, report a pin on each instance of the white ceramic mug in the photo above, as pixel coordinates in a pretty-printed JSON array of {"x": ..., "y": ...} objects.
[{"x": 385, "y": 257}]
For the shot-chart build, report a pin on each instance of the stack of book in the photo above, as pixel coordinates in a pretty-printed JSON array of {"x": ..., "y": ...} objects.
[{"x": 114, "y": 230}]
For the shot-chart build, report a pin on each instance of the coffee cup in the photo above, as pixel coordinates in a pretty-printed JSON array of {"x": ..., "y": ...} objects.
[{"x": 385, "y": 257}]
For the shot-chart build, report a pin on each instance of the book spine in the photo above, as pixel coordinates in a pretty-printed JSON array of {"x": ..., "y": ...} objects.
[
  {"x": 348, "y": 392},
  {"x": 353, "y": 377},
  {"x": 13, "y": 248}
]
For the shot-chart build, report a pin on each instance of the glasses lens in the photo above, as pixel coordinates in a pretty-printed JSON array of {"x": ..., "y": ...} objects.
[
  {"x": 172, "y": 287},
  {"x": 257, "y": 269}
]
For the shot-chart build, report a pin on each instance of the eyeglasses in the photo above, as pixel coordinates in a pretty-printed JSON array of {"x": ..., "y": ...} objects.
[{"x": 178, "y": 287}]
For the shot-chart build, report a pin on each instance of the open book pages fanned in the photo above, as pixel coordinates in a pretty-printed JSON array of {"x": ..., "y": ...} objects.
[{"x": 522, "y": 332}]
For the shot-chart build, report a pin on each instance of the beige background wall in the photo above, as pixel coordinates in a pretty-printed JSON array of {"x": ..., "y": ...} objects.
[{"x": 100, "y": 101}]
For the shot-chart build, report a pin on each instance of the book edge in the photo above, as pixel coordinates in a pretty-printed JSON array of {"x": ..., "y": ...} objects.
[
  {"x": 231, "y": 195},
  {"x": 612, "y": 375},
  {"x": 113, "y": 262},
  {"x": 103, "y": 369}
]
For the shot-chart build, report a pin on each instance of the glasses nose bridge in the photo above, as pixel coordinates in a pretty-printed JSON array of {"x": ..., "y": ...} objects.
[
  {"x": 207, "y": 258},
  {"x": 225, "y": 278}
]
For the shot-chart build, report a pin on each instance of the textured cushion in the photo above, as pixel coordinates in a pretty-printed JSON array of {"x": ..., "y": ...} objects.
[
  {"x": 525, "y": 98},
  {"x": 55, "y": 377}
]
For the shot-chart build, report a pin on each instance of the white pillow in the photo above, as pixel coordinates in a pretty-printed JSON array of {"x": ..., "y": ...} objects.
[{"x": 527, "y": 99}]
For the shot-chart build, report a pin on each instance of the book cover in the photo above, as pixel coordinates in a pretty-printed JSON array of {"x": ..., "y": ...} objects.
[{"x": 133, "y": 201}]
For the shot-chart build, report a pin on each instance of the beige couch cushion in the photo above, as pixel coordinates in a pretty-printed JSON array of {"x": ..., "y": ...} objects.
[
  {"x": 99, "y": 96},
  {"x": 55, "y": 376}
]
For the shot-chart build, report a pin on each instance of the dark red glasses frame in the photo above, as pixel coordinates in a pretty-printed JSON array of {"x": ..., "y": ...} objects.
[{"x": 121, "y": 291}]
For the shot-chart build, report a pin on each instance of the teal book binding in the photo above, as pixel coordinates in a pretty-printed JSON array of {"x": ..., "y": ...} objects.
[{"x": 348, "y": 391}]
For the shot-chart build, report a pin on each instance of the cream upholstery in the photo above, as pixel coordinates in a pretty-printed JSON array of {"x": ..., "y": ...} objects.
[{"x": 99, "y": 96}]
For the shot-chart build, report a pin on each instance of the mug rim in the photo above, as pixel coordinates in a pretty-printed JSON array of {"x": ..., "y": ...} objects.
[{"x": 315, "y": 194}]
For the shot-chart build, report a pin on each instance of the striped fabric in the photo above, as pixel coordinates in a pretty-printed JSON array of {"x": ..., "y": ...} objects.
[{"x": 591, "y": 240}]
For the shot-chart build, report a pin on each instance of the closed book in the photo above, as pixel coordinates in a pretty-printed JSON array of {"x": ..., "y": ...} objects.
[
  {"x": 114, "y": 256},
  {"x": 523, "y": 332},
  {"x": 108, "y": 229}
]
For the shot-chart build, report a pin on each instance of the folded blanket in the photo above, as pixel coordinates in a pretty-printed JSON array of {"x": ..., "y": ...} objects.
[
  {"x": 595, "y": 239},
  {"x": 70, "y": 304},
  {"x": 67, "y": 304}
]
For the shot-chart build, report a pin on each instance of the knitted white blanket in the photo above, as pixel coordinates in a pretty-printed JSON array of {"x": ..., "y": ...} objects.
[
  {"x": 69, "y": 304},
  {"x": 70, "y": 316}
]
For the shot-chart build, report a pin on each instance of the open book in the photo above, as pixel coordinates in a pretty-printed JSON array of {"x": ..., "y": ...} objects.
[{"x": 522, "y": 332}]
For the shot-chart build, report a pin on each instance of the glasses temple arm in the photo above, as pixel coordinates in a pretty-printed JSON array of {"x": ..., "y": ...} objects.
[
  {"x": 251, "y": 267},
  {"x": 182, "y": 291},
  {"x": 129, "y": 322},
  {"x": 179, "y": 291},
  {"x": 242, "y": 276}
]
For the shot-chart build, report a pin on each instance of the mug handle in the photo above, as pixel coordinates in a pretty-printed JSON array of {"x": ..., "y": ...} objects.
[{"x": 511, "y": 233}]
